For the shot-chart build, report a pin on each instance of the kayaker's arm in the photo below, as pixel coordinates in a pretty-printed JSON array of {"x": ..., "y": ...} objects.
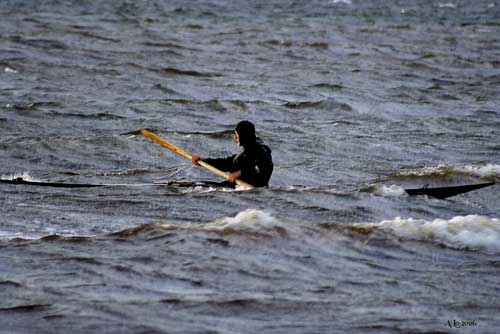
[{"x": 224, "y": 164}]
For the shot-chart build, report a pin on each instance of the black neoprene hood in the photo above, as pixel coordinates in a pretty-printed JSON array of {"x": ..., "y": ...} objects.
[{"x": 246, "y": 132}]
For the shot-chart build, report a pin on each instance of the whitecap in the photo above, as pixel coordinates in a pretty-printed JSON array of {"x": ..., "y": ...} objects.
[
  {"x": 487, "y": 170},
  {"x": 10, "y": 70},
  {"x": 389, "y": 191},
  {"x": 484, "y": 171},
  {"x": 447, "y": 5},
  {"x": 441, "y": 170},
  {"x": 250, "y": 220},
  {"x": 461, "y": 232},
  {"x": 18, "y": 175}
]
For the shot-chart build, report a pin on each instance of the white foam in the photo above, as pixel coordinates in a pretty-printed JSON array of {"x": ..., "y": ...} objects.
[
  {"x": 389, "y": 191},
  {"x": 250, "y": 220},
  {"x": 487, "y": 170},
  {"x": 239, "y": 188},
  {"x": 447, "y": 5},
  {"x": 440, "y": 170},
  {"x": 472, "y": 231},
  {"x": 23, "y": 175},
  {"x": 9, "y": 70},
  {"x": 483, "y": 171},
  {"x": 204, "y": 189}
]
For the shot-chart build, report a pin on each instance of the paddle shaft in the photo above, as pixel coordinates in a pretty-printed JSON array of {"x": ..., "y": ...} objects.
[{"x": 151, "y": 136}]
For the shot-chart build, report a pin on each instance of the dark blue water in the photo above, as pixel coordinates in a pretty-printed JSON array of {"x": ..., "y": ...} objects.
[{"x": 357, "y": 99}]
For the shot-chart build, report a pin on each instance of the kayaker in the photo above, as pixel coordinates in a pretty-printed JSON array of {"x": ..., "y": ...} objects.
[{"x": 254, "y": 164}]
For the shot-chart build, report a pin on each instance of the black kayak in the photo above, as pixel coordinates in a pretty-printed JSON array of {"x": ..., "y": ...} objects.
[
  {"x": 177, "y": 183},
  {"x": 22, "y": 181},
  {"x": 436, "y": 192},
  {"x": 445, "y": 192}
]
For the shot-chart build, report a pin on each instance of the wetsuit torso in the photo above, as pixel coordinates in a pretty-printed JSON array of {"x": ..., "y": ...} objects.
[{"x": 254, "y": 161}]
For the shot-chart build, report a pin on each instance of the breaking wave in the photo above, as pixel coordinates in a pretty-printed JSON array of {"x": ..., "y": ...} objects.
[
  {"x": 484, "y": 171},
  {"x": 461, "y": 232},
  {"x": 21, "y": 175},
  {"x": 472, "y": 232},
  {"x": 388, "y": 191},
  {"x": 487, "y": 171},
  {"x": 252, "y": 222}
]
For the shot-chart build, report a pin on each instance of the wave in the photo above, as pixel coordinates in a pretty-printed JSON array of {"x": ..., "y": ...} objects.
[
  {"x": 249, "y": 221},
  {"x": 210, "y": 134},
  {"x": 252, "y": 222},
  {"x": 33, "y": 105},
  {"x": 388, "y": 191},
  {"x": 322, "y": 105},
  {"x": 289, "y": 43},
  {"x": 462, "y": 232},
  {"x": 472, "y": 232},
  {"x": 51, "y": 107},
  {"x": 170, "y": 71},
  {"x": 330, "y": 86},
  {"x": 25, "y": 308},
  {"x": 46, "y": 44},
  {"x": 19, "y": 175},
  {"x": 213, "y": 104},
  {"x": 447, "y": 5},
  {"x": 8, "y": 69},
  {"x": 484, "y": 171}
]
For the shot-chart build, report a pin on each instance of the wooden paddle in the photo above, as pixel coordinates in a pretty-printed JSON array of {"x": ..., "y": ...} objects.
[{"x": 151, "y": 136}]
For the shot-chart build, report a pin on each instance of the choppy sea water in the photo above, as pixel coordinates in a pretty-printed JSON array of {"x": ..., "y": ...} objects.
[{"x": 357, "y": 99}]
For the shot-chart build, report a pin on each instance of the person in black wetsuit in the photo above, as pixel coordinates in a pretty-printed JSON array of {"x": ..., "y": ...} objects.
[{"x": 254, "y": 164}]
